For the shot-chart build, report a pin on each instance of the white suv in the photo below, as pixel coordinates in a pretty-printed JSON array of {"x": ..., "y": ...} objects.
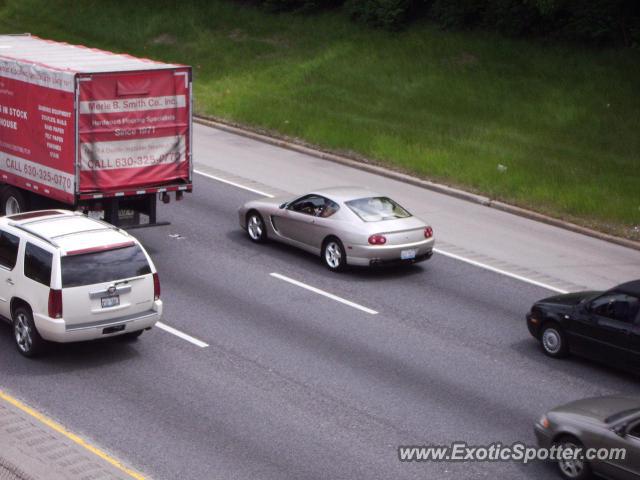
[{"x": 65, "y": 277}]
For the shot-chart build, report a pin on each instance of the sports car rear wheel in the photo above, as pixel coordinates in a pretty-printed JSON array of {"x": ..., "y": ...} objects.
[
  {"x": 333, "y": 255},
  {"x": 256, "y": 228}
]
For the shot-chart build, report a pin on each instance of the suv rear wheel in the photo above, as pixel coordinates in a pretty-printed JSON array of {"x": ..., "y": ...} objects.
[{"x": 28, "y": 340}]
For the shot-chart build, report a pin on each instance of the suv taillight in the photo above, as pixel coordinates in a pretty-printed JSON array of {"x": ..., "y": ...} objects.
[
  {"x": 428, "y": 232},
  {"x": 156, "y": 287},
  {"x": 55, "y": 303}
]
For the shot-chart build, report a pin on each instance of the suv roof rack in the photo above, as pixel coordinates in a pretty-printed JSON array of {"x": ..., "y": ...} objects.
[
  {"x": 30, "y": 231},
  {"x": 90, "y": 230}
]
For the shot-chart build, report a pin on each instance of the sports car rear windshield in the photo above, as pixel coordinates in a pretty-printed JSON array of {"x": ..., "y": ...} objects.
[
  {"x": 105, "y": 266},
  {"x": 376, "y": 209}
]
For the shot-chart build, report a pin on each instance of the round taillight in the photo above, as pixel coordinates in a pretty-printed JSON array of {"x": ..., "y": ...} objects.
[
  {"x": 428, "y": 232},
  {"x": 377, "y": 239}
]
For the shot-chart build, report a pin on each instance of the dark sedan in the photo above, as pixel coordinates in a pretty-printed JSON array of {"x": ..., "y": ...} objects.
[
  {"x": 593, "y": 425},
  {"x": 604, "y": 326}
]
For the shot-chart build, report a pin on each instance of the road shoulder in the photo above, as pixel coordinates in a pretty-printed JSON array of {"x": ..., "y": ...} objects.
[
  {"x": 418, "y": 182},
  {"x": 33, "y": 447}
]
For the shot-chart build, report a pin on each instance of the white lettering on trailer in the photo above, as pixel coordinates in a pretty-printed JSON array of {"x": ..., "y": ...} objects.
[
  {"x": 8, "y": 124},
  {"x": 133, "y": 104},
  {"x": 36, "y": 75},
  {"x": 136, "y": 153},
  {"x": 54, "y": 111},
  {"x": 37, "y": 172},
  {"x": 14, "y": 112},
  {"x": 52, "y": 128}
]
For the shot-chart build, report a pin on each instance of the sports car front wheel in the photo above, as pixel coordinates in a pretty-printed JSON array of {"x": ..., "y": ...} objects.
[{"x": 256, "y": 228}]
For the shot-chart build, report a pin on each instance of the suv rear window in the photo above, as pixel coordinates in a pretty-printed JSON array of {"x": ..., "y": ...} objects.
[
  {"x": 101, "y": 267},
  {"x": 37, "y": 264}
]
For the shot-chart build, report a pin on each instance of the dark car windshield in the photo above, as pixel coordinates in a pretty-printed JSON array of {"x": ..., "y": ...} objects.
[
  {"x": 376, "y": 209},
  {"x": 632, "y": 412},
  {"x": 106, "y": 266}
]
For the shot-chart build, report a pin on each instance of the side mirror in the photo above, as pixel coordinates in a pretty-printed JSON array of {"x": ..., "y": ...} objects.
[
  {"x": 283, "y": 205},
  {"x": 620, "y": 430}
]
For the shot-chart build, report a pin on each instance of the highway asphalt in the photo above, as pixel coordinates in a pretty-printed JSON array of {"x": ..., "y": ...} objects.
[
  {"x": 543, "y": 253},
  {"x": 295, "y": 385}
]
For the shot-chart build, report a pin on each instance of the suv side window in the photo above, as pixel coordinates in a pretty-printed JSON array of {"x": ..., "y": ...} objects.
[
  {"x": 616, "y": 306},
  {"x": 37, "y": 264},
  {"x": 8, "y": 249}
]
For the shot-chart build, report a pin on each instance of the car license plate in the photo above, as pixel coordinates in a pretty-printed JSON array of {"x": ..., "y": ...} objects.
[
  {"x": 408, "y": 254},
  {"x": 110, "y": 301}
]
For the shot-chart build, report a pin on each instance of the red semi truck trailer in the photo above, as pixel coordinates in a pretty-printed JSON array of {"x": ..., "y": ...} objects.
[{"x": 91, "y": 130}]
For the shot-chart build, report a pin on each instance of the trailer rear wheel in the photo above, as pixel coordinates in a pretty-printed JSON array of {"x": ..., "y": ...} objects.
[{"x": 13, "y": 201}]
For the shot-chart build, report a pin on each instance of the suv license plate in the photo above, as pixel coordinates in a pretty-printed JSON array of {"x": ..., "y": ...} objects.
[
  {"x": 110, "y": 301},
  {"x": 408, "y": 254}
]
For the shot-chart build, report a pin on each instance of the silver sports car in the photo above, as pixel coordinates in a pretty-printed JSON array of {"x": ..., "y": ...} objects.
[{"x": 344, "y": 225}]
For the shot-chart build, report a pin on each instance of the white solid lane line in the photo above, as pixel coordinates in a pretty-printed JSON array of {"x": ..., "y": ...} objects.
[
  {"x": 437, "y": 250},
  {"x": 497, "y": 270},
  {"x": 213, "y": 177},
  {"x": 324, "y": 294},
  {"x": 182, "y": 335}
]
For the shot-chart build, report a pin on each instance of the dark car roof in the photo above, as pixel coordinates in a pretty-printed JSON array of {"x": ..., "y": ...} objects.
[{"x": 630, "y": 288}]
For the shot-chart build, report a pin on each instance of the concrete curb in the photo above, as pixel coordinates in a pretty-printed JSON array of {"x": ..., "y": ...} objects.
[
  {"x": 9, "y": 471},
  {"x": 402, "y": 177},
  {"x": 31, "y": 449}
]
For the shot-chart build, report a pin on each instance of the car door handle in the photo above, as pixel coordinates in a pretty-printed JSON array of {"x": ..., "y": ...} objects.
[{"x": 10, "y": 282}]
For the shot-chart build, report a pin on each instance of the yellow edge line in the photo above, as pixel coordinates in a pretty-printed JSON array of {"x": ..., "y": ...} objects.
[{"x": 71, "y": 436}]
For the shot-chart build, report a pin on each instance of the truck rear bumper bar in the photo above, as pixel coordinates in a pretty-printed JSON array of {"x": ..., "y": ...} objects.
[{"x": 184, "y": 187}]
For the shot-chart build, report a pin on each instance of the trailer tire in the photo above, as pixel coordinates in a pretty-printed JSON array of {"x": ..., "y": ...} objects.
[{"x": 13, "y": 201}]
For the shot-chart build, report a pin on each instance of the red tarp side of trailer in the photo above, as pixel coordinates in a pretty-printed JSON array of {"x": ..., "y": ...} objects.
[{"x": 37, "y": 134}]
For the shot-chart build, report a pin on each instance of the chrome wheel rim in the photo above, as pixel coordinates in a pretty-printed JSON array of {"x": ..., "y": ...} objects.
[
  {"x": 551, "y": 340},
  {"x": 255, "y": 227},
  {"x": 22, "y": 332},
  {"x": 571, "y": 468},
  {"x": 12, "y": 207},
  {"x": 333, "y": 255}
]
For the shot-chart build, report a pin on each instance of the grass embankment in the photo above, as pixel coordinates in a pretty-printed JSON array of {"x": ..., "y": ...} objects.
[{"x": 563, "y": 120}]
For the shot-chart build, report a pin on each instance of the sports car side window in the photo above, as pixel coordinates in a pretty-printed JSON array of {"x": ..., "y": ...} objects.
[
  {"x": 309, "y": 205},
  {"x": 330, "y": 207}
]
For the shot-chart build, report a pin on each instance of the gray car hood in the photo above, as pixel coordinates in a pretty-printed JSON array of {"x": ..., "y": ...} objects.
[{"x": 599, "y": 408}]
